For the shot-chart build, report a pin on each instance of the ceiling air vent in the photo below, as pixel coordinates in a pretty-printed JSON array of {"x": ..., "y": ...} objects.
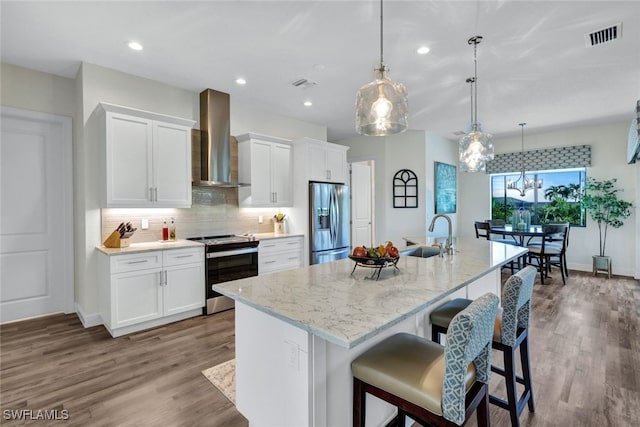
[
  {"x": 604, "y": 35},
  {"x": 304, "y": 83}
]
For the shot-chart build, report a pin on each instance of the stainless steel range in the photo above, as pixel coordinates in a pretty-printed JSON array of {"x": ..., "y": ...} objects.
[{"x": 227, "y": 258}]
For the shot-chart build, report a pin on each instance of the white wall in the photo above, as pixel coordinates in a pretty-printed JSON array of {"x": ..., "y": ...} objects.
[
  {"x": 414, "y": 150},
  {"x": 608, "y": 148}
]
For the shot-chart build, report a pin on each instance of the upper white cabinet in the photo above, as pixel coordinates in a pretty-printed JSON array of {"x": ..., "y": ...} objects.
[
  {"x": 266, "y": 163},
  {"x": 324, "y": 161},
  {"x": 147, "y": 155}
]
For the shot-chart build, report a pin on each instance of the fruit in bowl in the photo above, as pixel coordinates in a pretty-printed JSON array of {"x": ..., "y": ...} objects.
[
  {"x": 360, "y": 251},
  {"x": 381, "y": 251}
]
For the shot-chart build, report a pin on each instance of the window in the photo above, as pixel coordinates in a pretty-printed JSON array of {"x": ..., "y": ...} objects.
[{"x": 556, "y": 197}]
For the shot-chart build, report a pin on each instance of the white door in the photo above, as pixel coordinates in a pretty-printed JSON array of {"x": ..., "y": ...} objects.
[
  {"x": 36, "y": 215},
  {"x": 361, "y": 204},
  {"x": 172, "y": 164},
  {"x": 281, "y": 170}
]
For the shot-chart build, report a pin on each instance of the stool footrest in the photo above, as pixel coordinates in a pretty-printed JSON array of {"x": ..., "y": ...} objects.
[
  {"x": 522, "y": 401},
  {"x": 500, "y": 371}
]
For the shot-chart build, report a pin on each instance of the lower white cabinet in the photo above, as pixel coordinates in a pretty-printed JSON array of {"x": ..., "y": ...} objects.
[
  {"x": 279, "y": 254},
  {"x": 146, "y": 289}
]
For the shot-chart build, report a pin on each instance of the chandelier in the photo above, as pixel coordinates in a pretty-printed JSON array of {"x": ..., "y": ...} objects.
[
  {"x": 476, "y": 147},
  {"x": 525, "y": 183},
  {"x": 381, "y": 105}
]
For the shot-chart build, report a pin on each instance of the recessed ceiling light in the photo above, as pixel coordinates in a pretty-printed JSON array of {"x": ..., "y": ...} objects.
[
  {"x": 423, "y": 50},
  {"x": 241, "y": 81},
  {"x": 134, "y": 45},
  {"x": 308, "y": 103}
]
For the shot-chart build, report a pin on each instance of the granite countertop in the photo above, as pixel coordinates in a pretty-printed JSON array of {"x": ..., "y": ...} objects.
[
  {"x": 345, "y": 309},
  {"x": 268, "y": 236},
  {"x": 150, "y": 246}
]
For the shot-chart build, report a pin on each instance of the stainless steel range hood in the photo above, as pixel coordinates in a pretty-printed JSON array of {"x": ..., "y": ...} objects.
[{"x": 216, "y": 142}]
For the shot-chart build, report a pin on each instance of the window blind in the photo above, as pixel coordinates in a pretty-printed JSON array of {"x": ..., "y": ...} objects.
[{"x": 576, "y": 156}]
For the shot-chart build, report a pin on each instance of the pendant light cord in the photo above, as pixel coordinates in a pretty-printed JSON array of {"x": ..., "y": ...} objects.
[
  {"x": 475, "y": 79},
  {"x": 381, "y": 30}
]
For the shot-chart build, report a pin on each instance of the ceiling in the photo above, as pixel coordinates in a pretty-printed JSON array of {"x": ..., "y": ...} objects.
[{"x": 533, "y": 64}]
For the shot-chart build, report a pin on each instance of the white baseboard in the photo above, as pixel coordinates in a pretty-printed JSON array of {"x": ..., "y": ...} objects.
[
  {"x": 88, "y": 320},
  {"x": 589, "y": 268}
]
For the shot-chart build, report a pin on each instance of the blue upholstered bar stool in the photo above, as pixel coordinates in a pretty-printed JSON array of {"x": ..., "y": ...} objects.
[
  {"x": 432, "y": 384},
  {"x": 511, "y": 330}
]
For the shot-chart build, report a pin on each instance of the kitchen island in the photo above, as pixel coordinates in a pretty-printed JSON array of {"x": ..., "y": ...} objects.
[{"x": 297, "y": 331}]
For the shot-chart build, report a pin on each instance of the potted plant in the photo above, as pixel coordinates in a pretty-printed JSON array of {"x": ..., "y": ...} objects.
[{"x": 601, "y": 201}]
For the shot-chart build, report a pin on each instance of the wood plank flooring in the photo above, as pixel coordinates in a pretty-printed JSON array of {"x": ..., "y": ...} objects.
[{"x": 585, "y": 344}]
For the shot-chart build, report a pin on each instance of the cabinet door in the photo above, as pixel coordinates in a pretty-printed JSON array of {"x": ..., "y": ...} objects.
[
  {"x": 282, "y": 175},
  {"x": 261, "y": 193},
  {"x": 184, "y": 289},
  {"x": 136, "y": 297},
  {"x": 129, "y": 161},
  {"x": 171, "y": 165},
  {"x": 336, "y": 164},
  {"x": 317, "y": 161}
]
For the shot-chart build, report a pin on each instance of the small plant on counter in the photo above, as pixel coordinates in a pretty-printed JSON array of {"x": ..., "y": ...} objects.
[{"x": 279, "y": 217}]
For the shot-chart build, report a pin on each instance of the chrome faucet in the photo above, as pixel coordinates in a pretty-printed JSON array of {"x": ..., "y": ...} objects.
[{"x": 449, "y": 244}]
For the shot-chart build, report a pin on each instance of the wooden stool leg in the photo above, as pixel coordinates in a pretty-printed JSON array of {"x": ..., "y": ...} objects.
[
  {"x": 526, "y": 371},
  {"x": 359, "y": 403},
  {"x": 482, "y": 412},
  {"x": 510, "y": 381}
]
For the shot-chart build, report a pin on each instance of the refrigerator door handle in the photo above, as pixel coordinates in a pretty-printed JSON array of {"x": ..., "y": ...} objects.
[{"x": 335, "y": 215}]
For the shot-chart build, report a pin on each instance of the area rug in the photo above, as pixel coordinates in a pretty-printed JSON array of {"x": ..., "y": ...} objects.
[{"x": 223, "y": 377}]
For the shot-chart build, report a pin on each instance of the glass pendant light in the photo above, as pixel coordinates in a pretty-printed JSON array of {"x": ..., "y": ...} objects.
[
  {"x": 526, "y": 183},
  {"x": 476, "y": 147},
  {"x": 382, "y": 105}
]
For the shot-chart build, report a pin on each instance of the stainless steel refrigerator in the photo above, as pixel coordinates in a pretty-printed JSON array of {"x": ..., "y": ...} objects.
[{"x": 328, "y": 222}]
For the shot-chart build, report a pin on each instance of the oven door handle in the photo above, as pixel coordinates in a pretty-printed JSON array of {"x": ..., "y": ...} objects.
[{"x": 232, "y": 252}]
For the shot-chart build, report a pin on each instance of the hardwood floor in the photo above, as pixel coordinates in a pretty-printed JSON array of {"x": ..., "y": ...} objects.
[{"x": 585, "y": 350}]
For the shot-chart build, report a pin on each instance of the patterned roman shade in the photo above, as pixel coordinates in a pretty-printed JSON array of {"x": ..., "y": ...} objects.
[{"x": 576, "y": 156}]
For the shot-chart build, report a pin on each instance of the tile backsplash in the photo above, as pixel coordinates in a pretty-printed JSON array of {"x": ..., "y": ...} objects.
[{"x": 214, "y": 211}]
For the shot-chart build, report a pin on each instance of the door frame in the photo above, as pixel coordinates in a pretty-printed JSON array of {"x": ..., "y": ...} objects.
[{"x": 66, "y": 247}]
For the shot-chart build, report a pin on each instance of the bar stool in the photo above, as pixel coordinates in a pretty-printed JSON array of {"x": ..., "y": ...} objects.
[
  {"x": 434, "y": 385},
  {"x": 511, "y": 330}
]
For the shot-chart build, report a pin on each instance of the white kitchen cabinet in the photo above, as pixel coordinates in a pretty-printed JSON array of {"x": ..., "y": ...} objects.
[
  {"x": 324, "y": 161},
  {"x": 266, "y": 163},
  {"x": 147, "y": 156},
  {"x": 146, "y": 289},
  {"x": 280, "y": 254}
]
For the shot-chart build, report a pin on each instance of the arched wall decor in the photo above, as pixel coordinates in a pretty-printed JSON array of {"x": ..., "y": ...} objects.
[{"x": 405, "y": 189}]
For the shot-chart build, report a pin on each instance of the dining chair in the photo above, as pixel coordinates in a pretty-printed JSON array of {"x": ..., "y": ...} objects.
[
  {"x": 432, "y": 384},
  {"x": 551, "y": 250},
  {"x": 510, "y": 332},
  {"x": 483, "y": 229}
]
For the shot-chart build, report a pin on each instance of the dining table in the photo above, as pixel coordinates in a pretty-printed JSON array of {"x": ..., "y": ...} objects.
[{"x": 521, "y": 237}]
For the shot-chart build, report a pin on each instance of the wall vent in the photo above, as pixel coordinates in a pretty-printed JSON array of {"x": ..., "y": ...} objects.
[
  {"x": 603, "y": 35},
  {"x": 304, "y": 83}
]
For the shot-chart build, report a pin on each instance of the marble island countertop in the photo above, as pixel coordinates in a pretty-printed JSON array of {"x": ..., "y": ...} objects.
[{"x": 345, "y": 309}]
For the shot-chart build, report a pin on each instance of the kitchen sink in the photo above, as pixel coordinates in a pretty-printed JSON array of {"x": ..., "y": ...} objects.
[{"x": 421, "y": 251}]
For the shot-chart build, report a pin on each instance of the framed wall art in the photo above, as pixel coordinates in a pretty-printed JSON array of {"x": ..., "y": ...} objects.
[{"x": 445, "y": 186}]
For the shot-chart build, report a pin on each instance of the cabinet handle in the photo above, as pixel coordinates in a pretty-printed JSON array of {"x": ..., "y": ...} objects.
[
  {"x": 275, "y": 197},
  {"x": 138, "y": 262},
  {"x": 292, "y": 243},
  {"x": 165, "y": 278},
  {"x": 151, "y": 194},
  {"x": 184, "y": 256},
  {"x": 269, "y": 262},
  {"x": 293, "y": 257},
  {"x": 268, "y": 246},
  {"x": 155, "y": 191}
]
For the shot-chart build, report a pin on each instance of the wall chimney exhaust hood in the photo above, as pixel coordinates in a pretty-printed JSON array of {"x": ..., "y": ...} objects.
[{"x": 216, "y": 142}]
